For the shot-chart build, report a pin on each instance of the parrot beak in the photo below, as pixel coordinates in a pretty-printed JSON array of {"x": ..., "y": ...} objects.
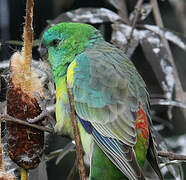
[{"x": 43, "y": 51}]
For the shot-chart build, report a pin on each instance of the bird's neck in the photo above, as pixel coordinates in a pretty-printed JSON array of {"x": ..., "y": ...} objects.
[
  {"x": 59, "y": 73},
  {"x": 59, "y": 68}
]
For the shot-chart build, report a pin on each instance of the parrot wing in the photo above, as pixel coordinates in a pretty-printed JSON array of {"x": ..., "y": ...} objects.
[{"x": 107, "y": 92}]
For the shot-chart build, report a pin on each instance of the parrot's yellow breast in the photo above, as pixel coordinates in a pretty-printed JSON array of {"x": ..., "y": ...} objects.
[{"x": 70, "y": 73}]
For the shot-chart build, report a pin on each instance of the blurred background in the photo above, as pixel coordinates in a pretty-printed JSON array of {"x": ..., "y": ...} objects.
[{"x": 114, "y": 18}]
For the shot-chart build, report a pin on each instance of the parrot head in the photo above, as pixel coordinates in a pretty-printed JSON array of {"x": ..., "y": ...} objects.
[{"x": 62, "y": 42}]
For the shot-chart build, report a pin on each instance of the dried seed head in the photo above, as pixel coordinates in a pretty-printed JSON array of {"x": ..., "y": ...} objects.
[{"x": 24, "y": 144}]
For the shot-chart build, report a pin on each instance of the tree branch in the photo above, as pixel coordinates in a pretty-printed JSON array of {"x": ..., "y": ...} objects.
[
  {"x": 2, "y": 167},
  {"x": 138, "y": 11},
  {"x": 12, "y": 119},
  {"x": 171, "y": 156},
  {"x": 79, "y": 149}
]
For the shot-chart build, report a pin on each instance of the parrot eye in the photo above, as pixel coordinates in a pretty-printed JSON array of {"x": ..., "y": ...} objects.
[{"x": 55, "y": 42}]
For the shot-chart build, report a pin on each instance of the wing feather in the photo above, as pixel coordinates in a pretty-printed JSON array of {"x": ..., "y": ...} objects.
[
  {"x": 122, "y": 156},
  {"x": 106, "y": 89}
]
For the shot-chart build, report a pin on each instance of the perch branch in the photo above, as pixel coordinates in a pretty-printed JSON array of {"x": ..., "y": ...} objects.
[
  {"x": 171, "y": 156},
  {"x": 79, "y": 150},
  {"x": 12, "y": 119},
  {"x": 138, "y": 11}
]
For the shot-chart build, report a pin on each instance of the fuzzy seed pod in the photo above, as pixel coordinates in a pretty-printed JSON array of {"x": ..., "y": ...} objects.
[{"x": 24, "y": 144}]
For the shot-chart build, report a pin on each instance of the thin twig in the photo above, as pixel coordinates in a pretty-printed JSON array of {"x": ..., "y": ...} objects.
[
  {"x": 57, "y": 153},
  {"x": 171, "y": 156},
  {"x": 79, "y": 149},
  {"x": 12, "y": 119},
  {"x": 13, "y": 42},
  {"x": 19, "y": 43},
  {"x": 138, "y": 11},
  {"x": 2, "y": 167}
]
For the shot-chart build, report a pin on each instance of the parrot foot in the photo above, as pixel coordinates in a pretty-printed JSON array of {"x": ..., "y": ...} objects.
[{"x": 44, "y": 114}]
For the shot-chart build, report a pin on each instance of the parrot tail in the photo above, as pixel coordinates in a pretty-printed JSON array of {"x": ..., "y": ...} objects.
[{"x": 152, "y": 156}]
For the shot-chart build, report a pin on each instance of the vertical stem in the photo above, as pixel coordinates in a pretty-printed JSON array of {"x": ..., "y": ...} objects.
[
  {"x": 138, "y": 11},
  {"x": 2, "y": 167},
  {"x": 79, "y": 150},
  {"x": 28, "y": 36},
  {"x": 23, "y": 174}
]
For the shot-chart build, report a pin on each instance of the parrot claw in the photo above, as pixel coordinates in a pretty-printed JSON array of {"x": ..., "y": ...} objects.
[{"x": 44, "y": 112}]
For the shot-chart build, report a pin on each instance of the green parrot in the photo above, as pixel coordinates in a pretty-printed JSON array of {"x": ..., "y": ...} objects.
[{"x": 110, "y": 98}]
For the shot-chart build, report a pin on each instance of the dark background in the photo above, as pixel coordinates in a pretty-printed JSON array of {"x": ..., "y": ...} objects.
[{"x": 12, "y": 14}]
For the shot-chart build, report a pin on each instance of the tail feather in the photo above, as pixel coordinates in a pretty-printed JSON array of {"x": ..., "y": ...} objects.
[{"x": 152, "y": 157}]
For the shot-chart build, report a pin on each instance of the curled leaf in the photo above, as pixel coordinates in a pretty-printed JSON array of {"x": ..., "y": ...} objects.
[
  {"x": 174, "y": 37},
  {"x": 156, "y": 53},
  {"x": 88, "y": 15}
]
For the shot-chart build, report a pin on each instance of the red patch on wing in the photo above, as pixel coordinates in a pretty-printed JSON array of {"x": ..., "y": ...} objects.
[{"x": 142, "y": 123}]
